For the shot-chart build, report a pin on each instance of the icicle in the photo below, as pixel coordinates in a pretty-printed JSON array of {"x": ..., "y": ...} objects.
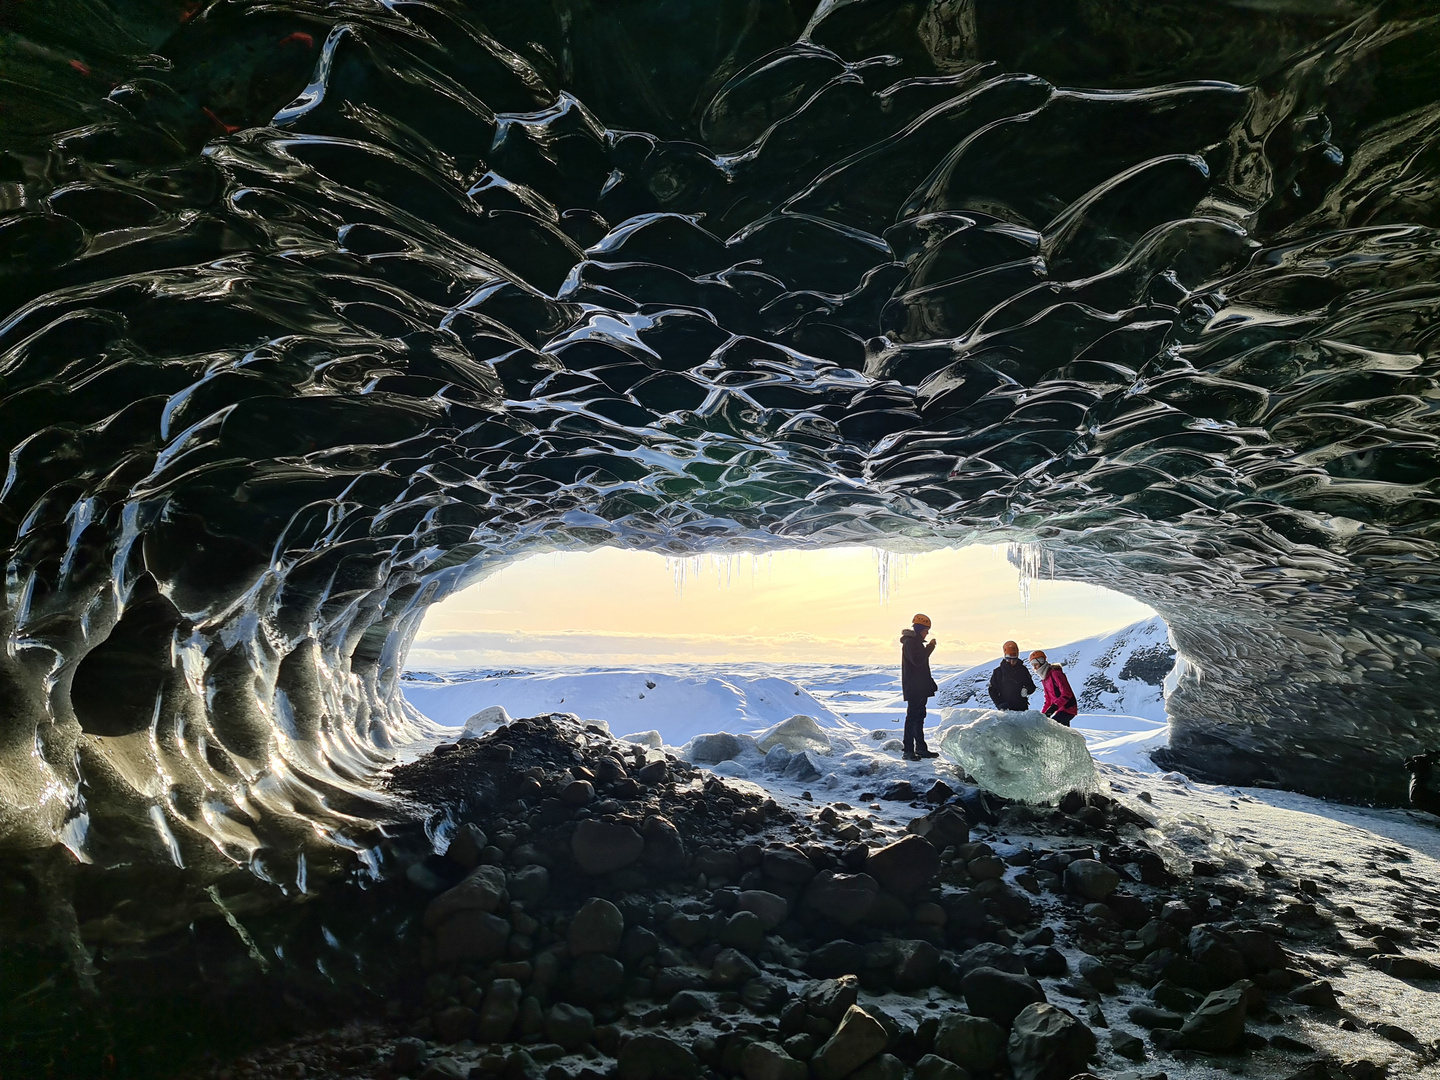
[
  {"x": 890, "y": 569},
  {"x": 1026, "y": 559}
]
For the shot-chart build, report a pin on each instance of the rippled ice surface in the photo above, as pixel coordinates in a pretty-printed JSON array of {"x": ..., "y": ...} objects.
[{"x": 312, "y": 314}]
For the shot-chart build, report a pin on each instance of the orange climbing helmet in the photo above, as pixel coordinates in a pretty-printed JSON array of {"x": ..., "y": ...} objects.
[
  {"x": 1011, "y": 649},
  {"x": 920, "y": 620},
  {"x": 1038, "y": 654}
]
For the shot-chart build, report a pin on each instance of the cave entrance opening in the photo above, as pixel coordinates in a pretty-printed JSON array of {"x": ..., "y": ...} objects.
[{"x": 737, "y": 642}]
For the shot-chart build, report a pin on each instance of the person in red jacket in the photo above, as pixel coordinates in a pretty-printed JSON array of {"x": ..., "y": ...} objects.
[{"x": 1060, "y": 704}]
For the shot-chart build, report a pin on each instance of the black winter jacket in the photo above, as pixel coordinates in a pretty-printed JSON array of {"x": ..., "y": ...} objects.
[
  {"x": 1010, "y": 686},
  {"x": 916, "y": 682}
]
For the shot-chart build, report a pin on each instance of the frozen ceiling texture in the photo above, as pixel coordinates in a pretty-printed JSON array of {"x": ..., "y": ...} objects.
[{"x": 310, "y": 312}]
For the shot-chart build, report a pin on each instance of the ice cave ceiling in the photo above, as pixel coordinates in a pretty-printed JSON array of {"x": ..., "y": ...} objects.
[{"x": 309, "y": 311}]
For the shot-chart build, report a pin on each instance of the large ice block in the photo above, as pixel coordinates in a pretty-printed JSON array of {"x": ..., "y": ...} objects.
[
  {"x": 797, "y": 734},
  {"x": 1022, "y": 755},
  {"x": 486, "y": 720}
]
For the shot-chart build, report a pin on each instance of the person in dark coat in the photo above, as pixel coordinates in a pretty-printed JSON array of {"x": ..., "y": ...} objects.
[
  {"x": 916, "y": 685},
  {"x": 1060, "y": 704},
  {"x": 1011, "y": 685}
]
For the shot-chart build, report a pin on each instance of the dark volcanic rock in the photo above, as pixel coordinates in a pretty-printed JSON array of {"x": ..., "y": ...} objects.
[
  {"x": 905, "y": 866},
  {"x": 845, "y": 898},
  {"x": 601, "y": 846},
  {"x": 974, "y": 1042},
  {"x": 1219, "y": 1023},
  {"x": 1047, "y": 1043},
  {"x": 655, "y": 1057},
  {"x": 596, "y": 928},
  {"x": 858, "y": 1039},
  {"x": 999, "y": 995}
]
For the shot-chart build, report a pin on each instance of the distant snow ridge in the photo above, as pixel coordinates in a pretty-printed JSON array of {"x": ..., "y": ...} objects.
[{"x": 1122, "y": 673}]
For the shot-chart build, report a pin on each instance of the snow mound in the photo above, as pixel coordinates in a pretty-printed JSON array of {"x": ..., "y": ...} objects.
[
  {"x": 652, "y": 740},
  {"x": 680, "y": 707},
  {"x": 487, "y": 719},
  {"x": 796, "y": 734},
  {"x": 1022, "y": 755}
]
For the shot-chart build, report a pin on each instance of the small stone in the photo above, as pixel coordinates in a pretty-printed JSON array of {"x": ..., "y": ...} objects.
[
  {"x": 771, "y": 909},
  {"x": 990, "y": 954},
  {"x": 654, "y": 1057},
  {"x": 939, "y": 792},
  {"x": 1090, "y": 879},
  {"x": 1127, "y": 1045},
  {"x": 443, "y": 1068},
  {"x": 529, "y": 884},
  {"x": 859, "y": 1038},
  {"x": 1407, "y": 967},
  {"x": 1219, "y": 1024},
  {"x": 884, "y": 1067},
  {"x": 454, "y": 1024},
  {"x": 1097, "y": 974},
  {"x": 934, "y": 1067},
  {"x": 408, "y": 1055},
  {"x": 973, "y": 1042},
  {"x": 654, "y": 774},
  {"x": 732, "y": 968},
  {"x": 830, "y": 999},
  {"x": 835, "y": 959},
  {"x": 664, "y": 848},
  {"x": 482, "y": 890},
  {"x": 1318, "y": 995},
  {"x": 1151, "y": 1018},
  {"x": 930, "y": 914},
  {"x": 569, "y": 1025},
  {"x": 905, "y": 866},
  {"x": 597, "y": 927},
  {"x": 1000, "y": 995},
  {"x": 788, "y": 864},
  {"x": 597, "y": 979},
  {"x": 472, "y": 935},
  {"x": 1047, "y": 1043},
  {"x": 600, "y": 847},
  {"x": 986, "y": 868},
  {"x": 577, "y": 793},
  {"x": 765, "y": 993},
  {"x": 744, "y": 931},
  {"x": 688, "y": 1003},
  {"x": 1394, "y": 1033},
  {"x": 766, "y": 1061},
  {"x": 498, "y": 1014},
  {"x": 915, "y": 965},
  {"x": 846, "y": 898},
  {"x": 465, "y": 846}
]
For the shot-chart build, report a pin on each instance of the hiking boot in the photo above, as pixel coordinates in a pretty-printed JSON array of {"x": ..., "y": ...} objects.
[
  {"x": 910, "y": 757},
  {"x": 925, "y": 754}
]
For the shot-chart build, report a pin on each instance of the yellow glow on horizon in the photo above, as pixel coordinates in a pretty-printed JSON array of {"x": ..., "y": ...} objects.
[{"x": 613, "y": 607}]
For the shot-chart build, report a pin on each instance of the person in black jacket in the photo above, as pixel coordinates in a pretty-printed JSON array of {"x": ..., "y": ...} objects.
[
  {"x": 1011, "y": 685},
  {"x": 916, "y": 685}
]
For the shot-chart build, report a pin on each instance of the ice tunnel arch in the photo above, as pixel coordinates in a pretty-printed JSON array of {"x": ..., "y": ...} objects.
[{"x": 321, "y": 311}]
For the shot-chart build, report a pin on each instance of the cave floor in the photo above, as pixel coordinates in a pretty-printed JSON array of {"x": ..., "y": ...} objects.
[{"x": 1346, "y": 891}]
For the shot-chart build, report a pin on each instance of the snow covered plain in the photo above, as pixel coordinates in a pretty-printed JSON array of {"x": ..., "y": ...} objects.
[{"x": 1369, "y": 868}]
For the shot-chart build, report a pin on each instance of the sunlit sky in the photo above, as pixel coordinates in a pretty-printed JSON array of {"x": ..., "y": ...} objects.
[{"x": 612, "y": 607}]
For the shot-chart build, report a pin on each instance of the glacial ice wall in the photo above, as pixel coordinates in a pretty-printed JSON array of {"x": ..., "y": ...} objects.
[{"x": 312, "y": 313}]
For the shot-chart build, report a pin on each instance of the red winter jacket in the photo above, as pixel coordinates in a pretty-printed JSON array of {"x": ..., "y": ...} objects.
[{"x": 1059, "y": 698}]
